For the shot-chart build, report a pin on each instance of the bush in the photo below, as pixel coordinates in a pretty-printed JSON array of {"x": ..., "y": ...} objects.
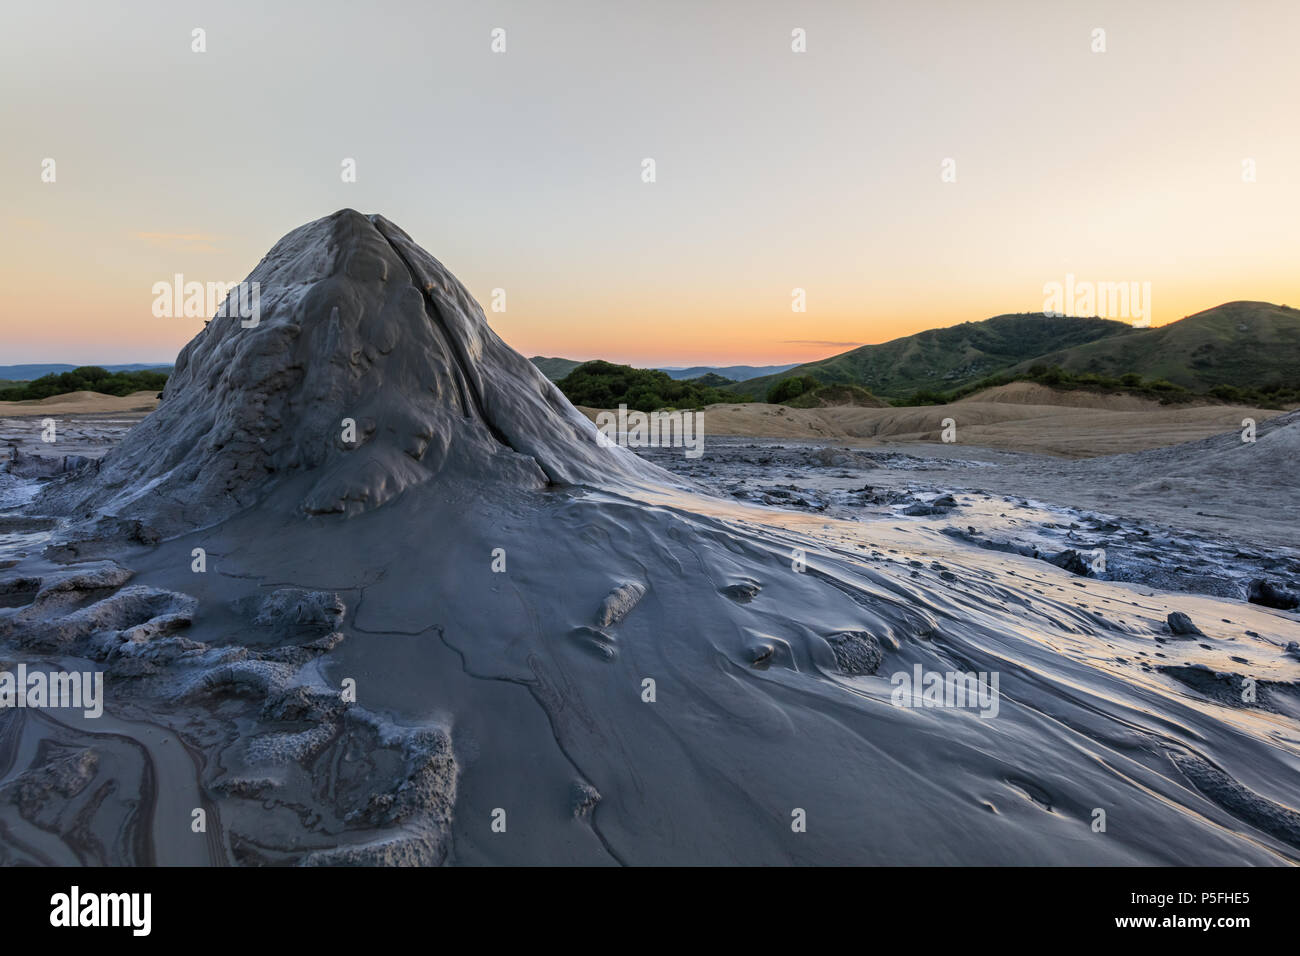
[
  {"x": 789, "y": 388},
  {"x": 923, "y": 397},
  {"x": 1228, "y": 393}
]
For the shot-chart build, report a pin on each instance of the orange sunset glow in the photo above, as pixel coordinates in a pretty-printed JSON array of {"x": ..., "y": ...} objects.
[{"x": 779, "y": 173}]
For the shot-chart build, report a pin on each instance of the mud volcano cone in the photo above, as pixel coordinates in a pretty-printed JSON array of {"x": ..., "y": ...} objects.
[{"x": 370, "y": 369}]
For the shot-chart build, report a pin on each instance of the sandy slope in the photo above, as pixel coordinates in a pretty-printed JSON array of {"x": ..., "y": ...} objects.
[
  {"x": 1031, "y": 393},
  {"x": 1064, "y": 430},
  {"x": 81, "y": 403}
]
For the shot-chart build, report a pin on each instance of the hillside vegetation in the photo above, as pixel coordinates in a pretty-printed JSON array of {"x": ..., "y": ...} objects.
[
  {"x": 554, "y": 368},
  {"x": 733, "y": 373},
  {"x": 832, "y": 396},
  {"x": 600, "y": 384},
  {"x": 943, "y": 359},
  {"x": 1245, "y": 345},
  {"x": 88, "y": 378},
  {"x": 1237, "y": 351}
]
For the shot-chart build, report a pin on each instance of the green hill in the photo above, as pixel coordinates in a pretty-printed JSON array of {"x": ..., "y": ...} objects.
[
  {"x": 554, "y": 368},
  {"x": 949, "y": 358},
  {"x": 1242, "y": 344},
  {"x": 708, "y": 380},
  {"x": 734, "y": 373}
]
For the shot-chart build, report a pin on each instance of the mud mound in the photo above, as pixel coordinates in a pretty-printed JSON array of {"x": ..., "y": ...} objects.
[
  {"x": 1269, "y": 461},
  {"x": 1031, "y": 393},
  {"x": 81, "y": 403},
  {"x": 370, "y": 370}
]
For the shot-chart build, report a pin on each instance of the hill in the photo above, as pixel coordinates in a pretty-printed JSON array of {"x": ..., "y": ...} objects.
[
  {"x": 557, "y": 368},
  {"x": 736, "y": 373},
  {"x": 600, "y": 384},
  {"x": 948, "y": 358},
  {"x": 1239, "y": 344},
  {"x": 554, "y": 368}
]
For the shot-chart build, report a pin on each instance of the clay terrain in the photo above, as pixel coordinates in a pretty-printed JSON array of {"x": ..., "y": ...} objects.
[{"x": 365, "y": 588}]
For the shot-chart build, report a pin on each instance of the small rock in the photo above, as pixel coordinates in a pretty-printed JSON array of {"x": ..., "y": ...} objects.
[
  {"x": 856, "y": 652},
  {"x": 1261, "y": 591},
  {"x": 286, "y": 607},
  {"x": 741, "y": 593},
  {"x": 1071, "y": 561},
  {"x": 619, "y": 603},
  {"x": 583, "y": 798}
]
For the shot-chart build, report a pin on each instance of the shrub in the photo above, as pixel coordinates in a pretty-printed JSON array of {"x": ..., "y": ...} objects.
[
  {"x": 1228, "y": 393},
  {"x": 605, "y": 385},
  {"x": 789, "y": 388},
  {"x": 924, "y": 396}
]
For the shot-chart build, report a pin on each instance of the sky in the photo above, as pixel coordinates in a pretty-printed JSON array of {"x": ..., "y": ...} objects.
[{"x": 917, "y": 165}]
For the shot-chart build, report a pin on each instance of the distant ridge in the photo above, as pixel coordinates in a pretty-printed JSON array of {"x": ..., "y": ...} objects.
[
  {"x": 556, "y": 368},
  {"x": 947, "y": 358},
  {"x": 25, "y": 373},
  {"x": 1242, "y": 344},
  {"x": 737, "y": 373}
]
